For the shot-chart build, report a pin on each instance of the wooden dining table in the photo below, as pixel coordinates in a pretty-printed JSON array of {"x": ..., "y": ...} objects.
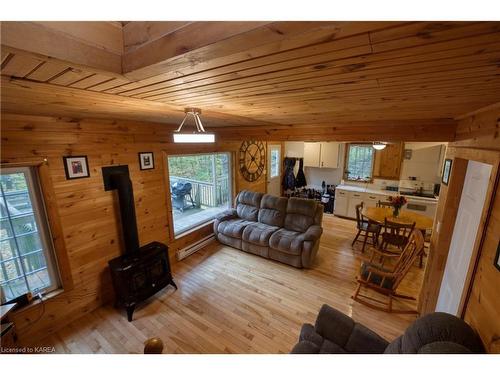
[{"x": 379, "y": 214}]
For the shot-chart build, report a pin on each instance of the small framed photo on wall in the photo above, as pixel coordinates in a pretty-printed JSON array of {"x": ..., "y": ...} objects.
[
  {"x": 76, "y": 167},
  {"x": 446, "y": 171},
  {"x": 146, "y": 160}
]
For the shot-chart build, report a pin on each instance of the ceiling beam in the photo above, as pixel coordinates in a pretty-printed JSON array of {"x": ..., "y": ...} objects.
[
  {"x": 179, "y": 42},
  {"x": 56, "y": 41},
  {"x": 25, "y": 96},
  {"x": 441, "y": 130}
]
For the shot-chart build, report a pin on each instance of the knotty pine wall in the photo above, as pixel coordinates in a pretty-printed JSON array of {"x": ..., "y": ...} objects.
[
  {"x": 481, "y": 131},
  {"x": 87, "y": 213}
]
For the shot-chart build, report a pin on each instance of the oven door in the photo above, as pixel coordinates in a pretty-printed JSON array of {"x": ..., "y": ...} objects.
[{"x": 421, "y": 207}]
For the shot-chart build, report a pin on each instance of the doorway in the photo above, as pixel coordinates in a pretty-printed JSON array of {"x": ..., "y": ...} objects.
[
  {"x": 465, "y": 232},
  {"x": 274, "y": 169}
]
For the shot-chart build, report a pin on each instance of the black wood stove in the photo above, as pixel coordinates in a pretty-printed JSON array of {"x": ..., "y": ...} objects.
[{"x": 141, "y": 271}]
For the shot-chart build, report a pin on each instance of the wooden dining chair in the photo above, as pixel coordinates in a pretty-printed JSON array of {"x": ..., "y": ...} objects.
[
  {"x": 395, "y": 234},
  {"x": 384, "y": 204},
  {"x": 366, "y": 227},
  {"x": 385, "y": 280}
]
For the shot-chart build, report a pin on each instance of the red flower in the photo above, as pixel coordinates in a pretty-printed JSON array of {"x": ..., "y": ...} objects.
[{"x": 398, "y": 200}]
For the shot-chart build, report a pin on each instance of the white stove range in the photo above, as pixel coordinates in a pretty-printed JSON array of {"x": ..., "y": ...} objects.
[{"x": 425, "y": 202}]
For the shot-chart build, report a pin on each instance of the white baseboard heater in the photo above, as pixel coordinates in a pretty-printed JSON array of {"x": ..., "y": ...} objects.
[{"x": 188, "y": 250}]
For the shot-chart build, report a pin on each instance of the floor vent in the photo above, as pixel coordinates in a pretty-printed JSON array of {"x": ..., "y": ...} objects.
[{"x": 187, "y": 251}]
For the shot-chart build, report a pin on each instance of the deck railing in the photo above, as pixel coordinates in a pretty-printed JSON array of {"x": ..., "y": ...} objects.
[{"x": 207, "y": 194}]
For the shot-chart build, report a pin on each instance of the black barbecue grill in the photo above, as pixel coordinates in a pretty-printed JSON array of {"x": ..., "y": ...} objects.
[{"x": 180, "y": 191}]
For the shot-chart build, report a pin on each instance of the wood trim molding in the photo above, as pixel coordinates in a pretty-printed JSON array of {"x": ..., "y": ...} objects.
[{"x": 445, "y": 219}]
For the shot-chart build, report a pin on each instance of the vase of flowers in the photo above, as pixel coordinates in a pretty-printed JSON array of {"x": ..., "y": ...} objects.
[{"x": 397, "y": 202}]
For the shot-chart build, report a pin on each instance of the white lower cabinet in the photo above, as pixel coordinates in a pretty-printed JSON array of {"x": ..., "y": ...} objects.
[
  {"x": 354, "y": 200},
  {"x": 372, "y": 199},
  {"x": 346, "y": 202},
  {"x": 341, "y": 202}
]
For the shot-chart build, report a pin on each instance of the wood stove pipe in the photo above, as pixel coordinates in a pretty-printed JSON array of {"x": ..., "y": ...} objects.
[{"x": 123, "y": 184}]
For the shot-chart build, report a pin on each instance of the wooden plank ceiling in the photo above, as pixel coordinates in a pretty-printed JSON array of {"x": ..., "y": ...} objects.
[{"x": 255, "y": 75}]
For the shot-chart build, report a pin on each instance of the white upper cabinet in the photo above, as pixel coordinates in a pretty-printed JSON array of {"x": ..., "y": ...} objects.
[
  {"x": 312, "y": 151},
  {"x": 329, "y": 156},
  {"x": 321, "y": 154}
]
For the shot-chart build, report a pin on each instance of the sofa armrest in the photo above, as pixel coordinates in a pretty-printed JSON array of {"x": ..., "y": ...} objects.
[
  {"x": 313, "y": 233},
  {"x": 227, "y": 215},
  {"x": 223, "y": 216}
]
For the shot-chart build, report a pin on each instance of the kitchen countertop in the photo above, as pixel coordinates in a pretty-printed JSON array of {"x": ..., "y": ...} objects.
[{"x": 361, "y": 189}]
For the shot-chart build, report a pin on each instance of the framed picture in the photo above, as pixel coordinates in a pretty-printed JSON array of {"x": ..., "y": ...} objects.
[
  {"x": 76, "y": 167},
  {"x": 497, "y": 257},
  {"x": 146, "y": 160},
  {"x": 446, "y": 171}
]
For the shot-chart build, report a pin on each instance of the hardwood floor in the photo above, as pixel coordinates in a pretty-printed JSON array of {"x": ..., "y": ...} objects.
[{"x": 229, "y": 301}]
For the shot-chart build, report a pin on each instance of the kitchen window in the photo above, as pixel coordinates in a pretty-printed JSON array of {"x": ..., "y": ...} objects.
[
  {"x": 27, "y": 261},
  {"x": 200, "y": 188},
  {"x": 359, "y": 162}
]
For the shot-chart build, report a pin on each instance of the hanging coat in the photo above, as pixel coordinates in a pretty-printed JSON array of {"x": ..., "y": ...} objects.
[
  {"x": 300, "y": 180},
  {"x": 288, "y": 176}
]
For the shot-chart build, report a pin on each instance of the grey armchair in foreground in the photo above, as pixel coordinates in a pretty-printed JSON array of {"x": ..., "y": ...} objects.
[{"x": 436, "y": 333}]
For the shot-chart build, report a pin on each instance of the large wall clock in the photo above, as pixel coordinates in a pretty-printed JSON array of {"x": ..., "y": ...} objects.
[{"x": 252, "y": 160}]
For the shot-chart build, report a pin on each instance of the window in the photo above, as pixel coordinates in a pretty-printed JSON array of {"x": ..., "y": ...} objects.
[
  {"x": 275, "y": 162},
  {"x": 200, "y": 188},
  {"x": 359, "y": 162},
  {"x": 26, "y": 256}
]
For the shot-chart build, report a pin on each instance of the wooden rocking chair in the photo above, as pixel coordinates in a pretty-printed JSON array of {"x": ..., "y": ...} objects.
[{"x": 384, "y": 281}]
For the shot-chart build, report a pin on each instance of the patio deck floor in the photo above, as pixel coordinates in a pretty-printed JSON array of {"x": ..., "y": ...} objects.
[{"x": 192, "y": 217}]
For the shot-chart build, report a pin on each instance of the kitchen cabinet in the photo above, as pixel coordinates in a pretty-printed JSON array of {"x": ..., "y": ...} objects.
[
  {"x": 341, "y": 202},
  {"x": 346, "y": 201},
  {"x": 387, "y": 163},
  {"x": 312, "y": 152},
  {"x": 354, "y": 200},
  {"x": 321, "y": 154},
  {"x": 371, "y": 200}
]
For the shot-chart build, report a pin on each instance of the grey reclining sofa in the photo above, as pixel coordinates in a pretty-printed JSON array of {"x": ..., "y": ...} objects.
[
  {"x": 284, "y": 229},
  {"x": 436, "y": 333}
]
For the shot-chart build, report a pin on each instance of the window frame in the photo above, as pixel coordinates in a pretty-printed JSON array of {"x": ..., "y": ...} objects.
[
  {"x": 278, "y": 163},
  {"x": 40, "y": 215},
  {"x": 346, "y": 162},
  {"x": 176, "y": 236}
]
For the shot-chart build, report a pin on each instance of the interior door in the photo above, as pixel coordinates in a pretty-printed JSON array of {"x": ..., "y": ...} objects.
[
  {"x": 274, "y": 169},
  {"x": 464, "y": 236}
]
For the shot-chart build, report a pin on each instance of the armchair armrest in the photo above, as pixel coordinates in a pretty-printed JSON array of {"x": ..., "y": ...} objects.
[{"x": 385, "y": 253}]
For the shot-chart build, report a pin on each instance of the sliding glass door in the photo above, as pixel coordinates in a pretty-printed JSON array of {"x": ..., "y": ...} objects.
[{"x": 200, "y": 188}]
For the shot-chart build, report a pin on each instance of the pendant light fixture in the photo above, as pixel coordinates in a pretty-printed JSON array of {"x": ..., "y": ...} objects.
[
  {"x": 198, "y": 136},
  {"x": 379, "y": 145}
]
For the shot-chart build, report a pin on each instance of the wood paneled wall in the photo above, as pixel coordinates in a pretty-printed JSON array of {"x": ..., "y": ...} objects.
[
  {"x": 483, "y": 307},
  {"x": 477, "y": 139},
  {"x": 89, "y": 214}
]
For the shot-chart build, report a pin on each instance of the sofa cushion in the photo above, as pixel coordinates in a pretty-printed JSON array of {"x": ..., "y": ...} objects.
[
  {"x": 234, "y": 227},
  {"x": 374, "y": 278},
  {"x": 329, "y": 347},
  {"x": 258, "y": 233},
  {"x": 248, "y": 204},
  {"x": 365, "y": 341},
  {"x": 305, "y": 347},
  {"x": 272, "y": 210},
  {"x": 287, "y": 241},
  {"x": 300, "y": 214}
]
